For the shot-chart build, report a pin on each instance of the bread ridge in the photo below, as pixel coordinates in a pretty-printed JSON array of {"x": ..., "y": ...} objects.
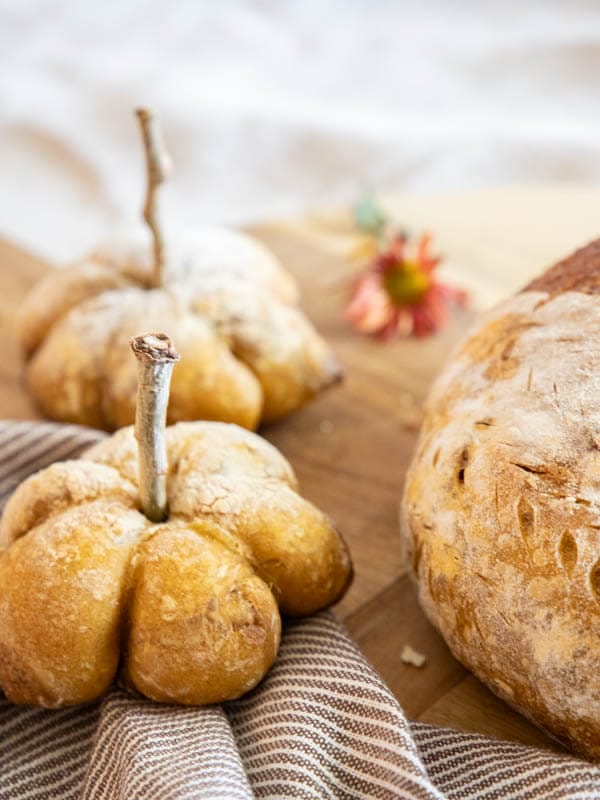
[{"x": 579, "y": 272}]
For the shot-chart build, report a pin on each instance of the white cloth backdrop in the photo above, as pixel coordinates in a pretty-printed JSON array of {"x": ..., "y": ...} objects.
[{"x": 275, "y": 106}]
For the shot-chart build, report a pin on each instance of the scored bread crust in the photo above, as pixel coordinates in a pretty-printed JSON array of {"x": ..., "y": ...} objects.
[
  {"x": 501, "y": 507},
  {"x": 186, "y": 611},
  {"x": 248, "y": 353}
]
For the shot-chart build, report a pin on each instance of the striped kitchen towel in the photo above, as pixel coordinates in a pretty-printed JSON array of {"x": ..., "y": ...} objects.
[{"x": 321, "y": 725}]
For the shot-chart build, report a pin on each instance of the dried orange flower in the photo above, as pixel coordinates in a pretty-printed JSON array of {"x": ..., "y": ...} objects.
[{"x": 398, "y": 294}]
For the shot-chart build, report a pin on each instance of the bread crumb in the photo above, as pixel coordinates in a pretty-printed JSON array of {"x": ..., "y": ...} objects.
[{"x": 412, "y": 657}]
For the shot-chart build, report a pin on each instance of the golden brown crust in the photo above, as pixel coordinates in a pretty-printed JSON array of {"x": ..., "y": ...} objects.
[
  {"x": 204, "y": 628},
  {"x": 61, "y": 486},
  {"x": 61, "y": 604},
  {"x": 201, "y": 450},
  {"x": 247, "y": 352},
  {"x": 501, "y": 509},
  {"x": 579, "y": 272},
  {"x": 51, "y": 299},
  {"x": 190, "y": 606}
]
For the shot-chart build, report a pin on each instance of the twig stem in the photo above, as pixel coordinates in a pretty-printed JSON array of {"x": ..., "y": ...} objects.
[
  {"x": 158, "y": 167},
  {"x": 156, "y": 357}
]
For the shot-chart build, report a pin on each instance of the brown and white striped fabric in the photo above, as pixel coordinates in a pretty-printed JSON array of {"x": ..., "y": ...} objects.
[{"x": 321, "y": 725}]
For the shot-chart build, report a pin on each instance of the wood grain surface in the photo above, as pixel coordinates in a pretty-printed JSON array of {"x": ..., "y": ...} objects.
[{"x": 351, "y": 448}]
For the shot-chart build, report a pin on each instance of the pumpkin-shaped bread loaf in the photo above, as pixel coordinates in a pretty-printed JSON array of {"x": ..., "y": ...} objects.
[
  {"x": 178, "y": 584},
  {"x": 248, "y": 353},
  {"x": 501, "y": 512}
]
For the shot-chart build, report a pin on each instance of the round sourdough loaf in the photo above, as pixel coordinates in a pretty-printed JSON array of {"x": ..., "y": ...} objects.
[{"x": 501, "y": 510}]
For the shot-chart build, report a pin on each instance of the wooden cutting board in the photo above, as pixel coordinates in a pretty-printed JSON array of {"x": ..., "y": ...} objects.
[{"x": 351, "y": 448}]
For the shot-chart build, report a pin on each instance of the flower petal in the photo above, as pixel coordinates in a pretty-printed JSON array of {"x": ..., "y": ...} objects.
[{"x": 398, "y": 295}]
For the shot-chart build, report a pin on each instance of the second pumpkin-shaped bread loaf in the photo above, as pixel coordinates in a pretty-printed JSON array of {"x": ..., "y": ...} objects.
[{"x": 248, "y": 353}]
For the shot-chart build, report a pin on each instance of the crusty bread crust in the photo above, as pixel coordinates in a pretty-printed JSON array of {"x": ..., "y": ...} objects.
[
  {"x": 501, "y": 510},
  {"x": 579, "y": 272}
]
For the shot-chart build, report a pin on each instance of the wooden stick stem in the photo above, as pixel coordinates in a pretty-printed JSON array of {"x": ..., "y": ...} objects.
[
  {"x": 158, "y": 167},
  {"x": 156, "y": 357}
]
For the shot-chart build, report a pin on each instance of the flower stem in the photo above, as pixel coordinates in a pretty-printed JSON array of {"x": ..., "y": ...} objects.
[
  {"x": 156, "y": 357},
  {"x": 158, "y": 167}
]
